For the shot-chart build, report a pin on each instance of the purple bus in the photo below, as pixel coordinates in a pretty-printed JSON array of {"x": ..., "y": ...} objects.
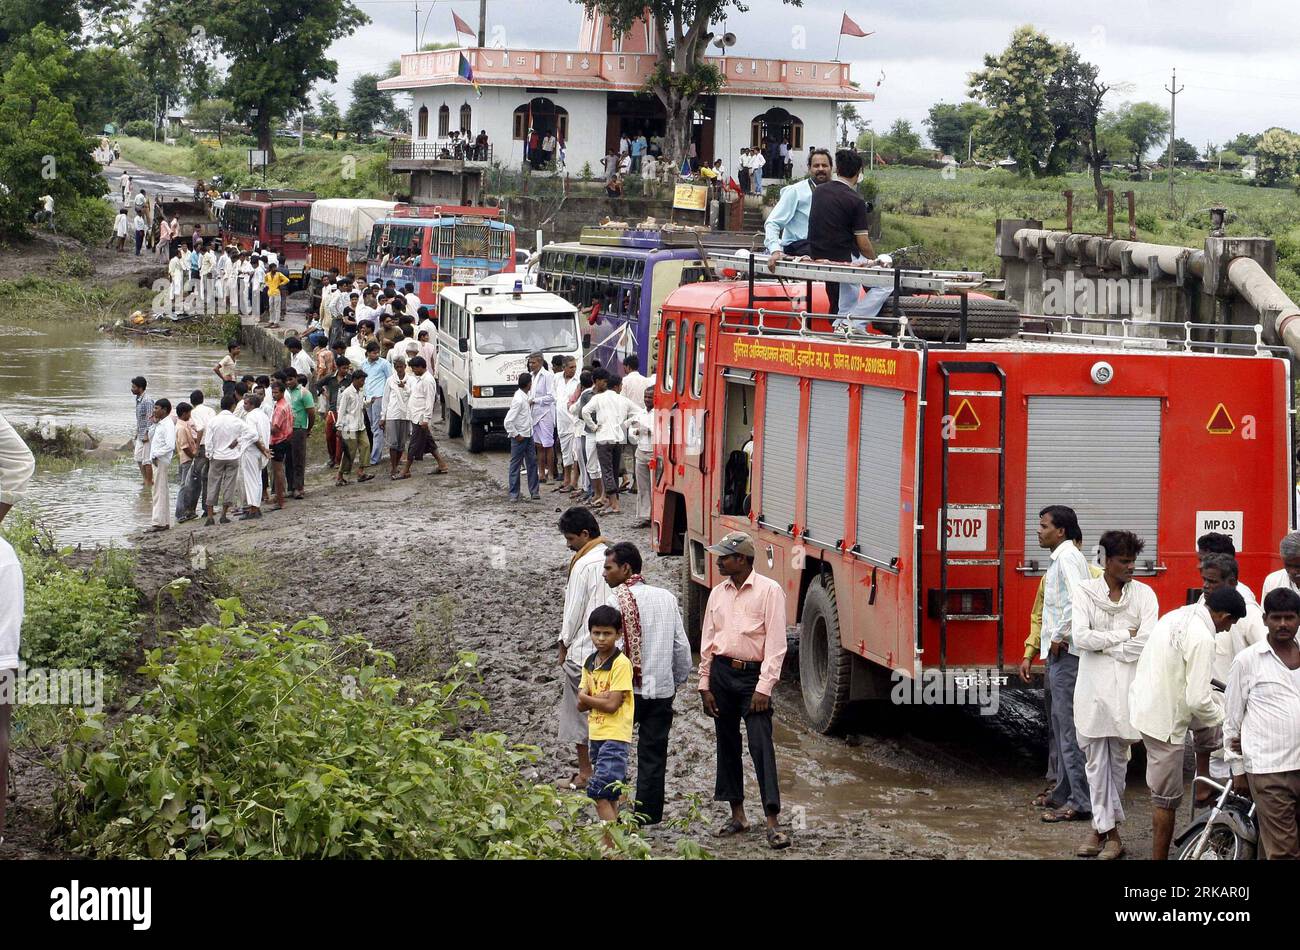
[{"x": 619, "y": 278}]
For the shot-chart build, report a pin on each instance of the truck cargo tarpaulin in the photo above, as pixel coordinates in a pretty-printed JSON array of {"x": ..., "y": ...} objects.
[{"x": 346, "y": 222}]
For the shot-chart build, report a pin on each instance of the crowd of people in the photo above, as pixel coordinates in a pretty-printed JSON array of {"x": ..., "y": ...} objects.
[
  {"x": 1225, "y": 668},
  {"x": 362, "y": 369}
]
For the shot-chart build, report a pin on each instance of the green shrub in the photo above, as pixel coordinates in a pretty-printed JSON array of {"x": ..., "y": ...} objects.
[
  {"x": 88, "y": 220},
  {"x": 140, "y": 128},
  {"x": 73, "y": 618},
  {"x": 268, "y": 741}
]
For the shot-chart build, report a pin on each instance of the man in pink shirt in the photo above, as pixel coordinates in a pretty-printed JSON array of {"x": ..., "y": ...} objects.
[{"x": 742, "y": 644}]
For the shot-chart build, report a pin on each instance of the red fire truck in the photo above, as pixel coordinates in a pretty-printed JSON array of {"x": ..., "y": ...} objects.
[{"x": 844, "y": 454}]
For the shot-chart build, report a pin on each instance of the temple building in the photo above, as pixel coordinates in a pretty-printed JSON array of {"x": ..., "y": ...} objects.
[{"x": 589, "y": 97}]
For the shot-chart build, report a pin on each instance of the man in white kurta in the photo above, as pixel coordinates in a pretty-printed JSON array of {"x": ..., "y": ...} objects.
[
  {"x": 1289, "y": 575},
  {"x": 1112, "y": 616},
  {"x": 255, "y": 451},
  {"x": 584, "y": 591}
]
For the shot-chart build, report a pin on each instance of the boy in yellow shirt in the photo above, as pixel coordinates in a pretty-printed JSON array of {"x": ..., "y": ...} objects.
[
  {"x": 274, "y": 281},
  {"x": 606, "y": 690}
]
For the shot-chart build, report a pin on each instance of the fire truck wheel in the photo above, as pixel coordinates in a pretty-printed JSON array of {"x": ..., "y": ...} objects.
[
  {"x": 453, "y": 425},
  {"x": 825, "y": 668},
  {"x": 938, "y": 318}
]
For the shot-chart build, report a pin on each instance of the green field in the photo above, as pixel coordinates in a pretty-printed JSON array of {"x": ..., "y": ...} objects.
[
  {"x": 954, "y": 219},
  {"x": 332, "y": 170}
]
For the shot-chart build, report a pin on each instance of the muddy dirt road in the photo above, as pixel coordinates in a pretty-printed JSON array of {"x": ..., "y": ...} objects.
[{"x": 438, "y": 564}]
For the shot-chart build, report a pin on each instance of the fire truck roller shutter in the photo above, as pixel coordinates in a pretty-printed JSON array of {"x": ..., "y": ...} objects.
[
  {"x": 828, "y": 420},
  {"x": 779, "y": 446},
  {"x": 1100, "y": 456},
  {"x": 880, "y": 466}
]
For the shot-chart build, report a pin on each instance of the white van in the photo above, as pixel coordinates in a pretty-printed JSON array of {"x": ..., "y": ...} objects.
[{"x": 485, "y": 333}]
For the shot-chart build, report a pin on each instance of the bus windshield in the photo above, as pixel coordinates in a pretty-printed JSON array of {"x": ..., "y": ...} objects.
[{"x": 525, "y": 333}]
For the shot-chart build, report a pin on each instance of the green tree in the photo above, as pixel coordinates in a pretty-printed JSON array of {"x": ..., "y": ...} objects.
[
  {"x": 1144, "y": 124},
  {"x": 1243, "y": 143},
  {"x": 1185, "y": 151},
  {"x": 275, "y": 50},
  {"x": 1014, "y": 88},
  {"x": 370, "y": 106},
  {"x": 1277, "y": 155},
  {"x": 846, "y": 114},
  {"x": 950, "y": 126},
  {"x": 211, "y": 114},
  {"x": 42, "y": 148},
  {"x": 681, "y": 75},
  {"x": 900, "y": 141},
  {"x": 328, "y": 115}
]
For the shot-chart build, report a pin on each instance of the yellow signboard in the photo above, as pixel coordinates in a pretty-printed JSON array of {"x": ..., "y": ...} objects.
[
  {"x": 210, "y": 143},
  {"x": 690, "y": 197}
]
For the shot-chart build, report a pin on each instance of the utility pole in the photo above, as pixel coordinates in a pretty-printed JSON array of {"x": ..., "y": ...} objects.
[
  {"x": 417, "y": 26},
  {"x": 1173, "y": 89},
  {"x": 482, "y": 23},
  {"x": 970, "y": 142}
]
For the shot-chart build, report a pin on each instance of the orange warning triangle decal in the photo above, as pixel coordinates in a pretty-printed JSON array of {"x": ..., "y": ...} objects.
[
  {"x": 1220, "y": 422},
  {"x": 965, "y": 419}
]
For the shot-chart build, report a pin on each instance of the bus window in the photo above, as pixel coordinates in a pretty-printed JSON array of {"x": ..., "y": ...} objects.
[
  {"x": 638, "y": 269},
  {"x": 442, "y": 315},
  {"x": 683, "y": 346},
  {"x": 697, "y": 361},
  {"x": 669, "y": 356},
  {"x": 604, "y": 264},
  {"x": 616, "y": 267},
  {"x": 567, "y": 264},
  {"x": 580, "y": 264}
]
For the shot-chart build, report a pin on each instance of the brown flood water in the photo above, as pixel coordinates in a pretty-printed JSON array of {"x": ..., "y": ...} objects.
[{"x": 69, "y": 370}]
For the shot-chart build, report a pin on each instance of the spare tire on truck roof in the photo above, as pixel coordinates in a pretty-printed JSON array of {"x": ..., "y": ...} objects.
[{"x": 933, "y": 317}]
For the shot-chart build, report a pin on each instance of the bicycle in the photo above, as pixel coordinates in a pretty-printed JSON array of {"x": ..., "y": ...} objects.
[{"x": 1228, "y": 831}]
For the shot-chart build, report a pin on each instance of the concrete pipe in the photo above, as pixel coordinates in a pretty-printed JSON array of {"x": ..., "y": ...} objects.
[{"x": 1259, "y": 290}]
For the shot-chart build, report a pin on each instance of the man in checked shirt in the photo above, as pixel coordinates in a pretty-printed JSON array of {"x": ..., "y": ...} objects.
[{"x": 742, "y": 644}]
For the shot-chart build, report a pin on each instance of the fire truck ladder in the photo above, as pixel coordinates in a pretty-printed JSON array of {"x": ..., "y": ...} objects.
[
  {"x": 898, "y": 279},
  {"x": 948, "y": 370}
]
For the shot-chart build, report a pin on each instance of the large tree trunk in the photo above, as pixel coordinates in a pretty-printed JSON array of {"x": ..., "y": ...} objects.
[
  {"x": 680, "y": 125},
  {"x": 265, "y": 140}
]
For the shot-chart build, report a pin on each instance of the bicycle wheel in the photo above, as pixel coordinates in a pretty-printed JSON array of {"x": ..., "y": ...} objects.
[{"x": 1222, "y": 844}]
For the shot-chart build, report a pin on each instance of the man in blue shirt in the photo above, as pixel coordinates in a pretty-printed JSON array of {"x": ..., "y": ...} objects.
[
  {"x": 377, "y": 372},
  {"x": 786, "y": 230},
  {"x": 638, "y": 149}
]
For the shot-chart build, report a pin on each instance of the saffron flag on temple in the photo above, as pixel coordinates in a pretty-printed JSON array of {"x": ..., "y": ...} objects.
[
  {"x": 466, "y": 72},
  {"x": 461, "y": 25},
  {"x": 849, "y": 28}
]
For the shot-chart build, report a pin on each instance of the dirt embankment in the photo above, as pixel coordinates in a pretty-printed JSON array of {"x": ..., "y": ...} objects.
[
  {"x": 56, "y": 257},
  {"x": 435, "y": 565}
]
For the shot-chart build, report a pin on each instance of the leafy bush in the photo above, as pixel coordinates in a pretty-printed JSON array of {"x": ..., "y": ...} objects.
[
  {"x": 89, "y": 220},
  {"x": 140, "y": 128},
  {"x": 74, "y": 618},
  {"x": 267, "y": 741}
]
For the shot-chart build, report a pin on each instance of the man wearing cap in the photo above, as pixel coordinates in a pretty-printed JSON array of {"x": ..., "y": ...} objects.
[{"x": 742, "y": 645}]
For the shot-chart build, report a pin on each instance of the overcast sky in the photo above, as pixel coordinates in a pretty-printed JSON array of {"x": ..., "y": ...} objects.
[{"x": 1236, "y": 60}]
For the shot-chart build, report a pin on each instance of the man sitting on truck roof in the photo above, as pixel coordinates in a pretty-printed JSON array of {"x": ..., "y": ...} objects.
[
  {"x": 785, "y": 232},
  {"x": 838, "y": 230}
]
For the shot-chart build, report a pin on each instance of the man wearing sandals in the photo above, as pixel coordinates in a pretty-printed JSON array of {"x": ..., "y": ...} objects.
[
  {"x": 742, "y": 645},
  {"x": 1112, "y": 617},
  {"x": 584, "y": 591},
  {"x": 1171, "y": 693},
  {"x": 1057, "y": 525}
]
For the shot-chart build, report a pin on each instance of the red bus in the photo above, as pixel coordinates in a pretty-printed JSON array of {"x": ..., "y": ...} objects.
[{"x": 278, "y": 219}]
